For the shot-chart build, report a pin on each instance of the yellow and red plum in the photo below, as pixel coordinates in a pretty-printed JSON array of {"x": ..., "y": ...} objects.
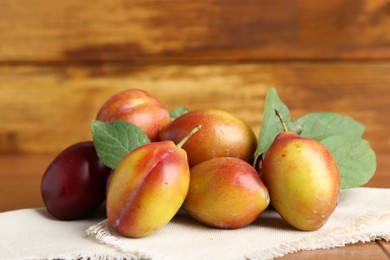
[
  {"x": 303, "y": 180},
  {"x": 147, "y": 188},
  {"x": 137, "y": 107},
  {"x": 222, "y": 135},
  {"x": 225, "y": 192}
]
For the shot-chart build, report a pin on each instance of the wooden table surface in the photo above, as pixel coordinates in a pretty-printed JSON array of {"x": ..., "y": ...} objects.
[{"x": 59, "y": 61}]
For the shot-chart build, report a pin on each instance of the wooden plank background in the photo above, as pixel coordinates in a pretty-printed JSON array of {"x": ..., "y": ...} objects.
[
  {"x": 47, "y": 107},
  {"x": 206, "y": 30},
  {"x": 60, "y": 60}
]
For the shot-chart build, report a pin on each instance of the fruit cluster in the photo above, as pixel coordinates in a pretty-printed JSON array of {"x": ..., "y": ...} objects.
[{"x": 200, "y": 161}]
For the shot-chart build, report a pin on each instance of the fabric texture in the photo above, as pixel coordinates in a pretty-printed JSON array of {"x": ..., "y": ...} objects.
[{"x": 362, "y": 215}]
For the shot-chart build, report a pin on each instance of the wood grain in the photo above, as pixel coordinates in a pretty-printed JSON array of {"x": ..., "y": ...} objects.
[
  {"x": 46, "y": 108},
  {"x": 60, "y": 60},
  {"x": 353, "y": 251},
  {"x": 385, "y": 247},
  {"x": 20, "y": 185},
  {"x": 52, "y": 31}
]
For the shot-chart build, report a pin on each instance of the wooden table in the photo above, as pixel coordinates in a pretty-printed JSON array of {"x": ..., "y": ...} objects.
[{"x": 59, "y": 61}]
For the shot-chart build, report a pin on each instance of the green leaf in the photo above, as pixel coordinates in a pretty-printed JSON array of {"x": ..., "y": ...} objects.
[
  {"x": 354, "y": 158},
  {"x": 271, "y": 125},
  {"x": 343, "y": 138},
  {"x": 322, "y": 125},
  {"x": 341, "y": 134},
  {"x": 178, "y": 111},
  {"x": 113, "y": 141}
]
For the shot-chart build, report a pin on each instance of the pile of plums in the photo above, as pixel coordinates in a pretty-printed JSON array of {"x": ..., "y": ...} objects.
[{"x": 200, "y": 161}]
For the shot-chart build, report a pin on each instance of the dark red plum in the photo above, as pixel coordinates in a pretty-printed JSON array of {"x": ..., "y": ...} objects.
[{"x": 73, "y": 186}]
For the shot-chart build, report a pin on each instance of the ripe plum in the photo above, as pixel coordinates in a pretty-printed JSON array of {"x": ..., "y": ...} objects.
[{"x": 73, "y": 186}]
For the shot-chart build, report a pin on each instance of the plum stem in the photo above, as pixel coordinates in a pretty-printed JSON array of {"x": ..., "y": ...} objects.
[
  {"x": 281, "y": 120},
  {"x": 193, "y": 131}
]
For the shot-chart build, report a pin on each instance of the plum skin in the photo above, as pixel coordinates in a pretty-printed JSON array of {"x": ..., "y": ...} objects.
[
  {"x": 222, "y": 135},
  {"x": 303, "y": 180},
  {"x": 138, "y": 107},
  {"x": 73, "y": 185},
  {"x": 147, "y": 188},
  {"x": 226, "y": 193}
]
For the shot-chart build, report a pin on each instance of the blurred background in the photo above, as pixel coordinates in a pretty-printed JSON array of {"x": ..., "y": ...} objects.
[{"x": 60, "y": 60}]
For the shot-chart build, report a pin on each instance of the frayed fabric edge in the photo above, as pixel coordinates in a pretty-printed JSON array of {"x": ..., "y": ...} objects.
[
  {"x": 102, "y": 232},
  {"x": 82, "y": 257},
  {"x": 339, "y": 237}
]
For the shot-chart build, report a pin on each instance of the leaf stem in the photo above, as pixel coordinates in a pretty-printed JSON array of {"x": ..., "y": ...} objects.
[
  {"x": 281, "y": 120},
  {"x": 193, "y": 131}
]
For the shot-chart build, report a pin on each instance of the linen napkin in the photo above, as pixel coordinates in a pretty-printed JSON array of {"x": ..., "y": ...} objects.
[{"x": 362, "y": 215}]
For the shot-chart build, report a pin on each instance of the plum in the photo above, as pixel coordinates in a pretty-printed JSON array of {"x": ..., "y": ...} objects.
[
  {"x": 225, "y": 192},
  {"x": 137, "y": 107},
  {"x": 73, "y": 185},
  {"x": 147, "y": 188},
  {"x": 223, "y": 135}
]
